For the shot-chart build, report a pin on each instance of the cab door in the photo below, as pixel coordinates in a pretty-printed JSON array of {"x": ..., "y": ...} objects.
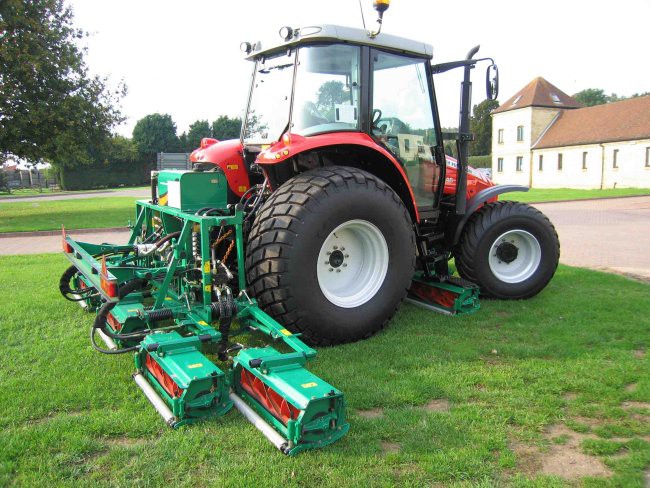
[{"x": 403, "y": 119}]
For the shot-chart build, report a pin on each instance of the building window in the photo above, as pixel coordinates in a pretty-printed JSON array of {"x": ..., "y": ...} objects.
[
  {"x": 541, "y": 162},
  {"x": 615, "y": 159},
  {"x": 647, "y": 157},
  {"x": 520, "y": 133},
  {"x": 584, "y": 160},
  {"x": 500, "y": 139},
  {"x": 500, "y": 165},
  {"x": 520, "y": 163},
  {"x": 407, "y": 145},
  {"x": 559, "y": 162}
]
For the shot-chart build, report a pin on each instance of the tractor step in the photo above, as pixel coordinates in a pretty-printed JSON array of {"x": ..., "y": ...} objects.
[{"x": 450, "y": 296}]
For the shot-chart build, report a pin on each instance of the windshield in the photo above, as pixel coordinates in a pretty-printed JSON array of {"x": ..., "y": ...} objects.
[
  {"x": 268, "y": 109},
  {"x": 325, "y": 98}
]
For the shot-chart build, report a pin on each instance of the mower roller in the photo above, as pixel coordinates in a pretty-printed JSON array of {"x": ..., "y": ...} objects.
[{"x": 336, "y": 203}]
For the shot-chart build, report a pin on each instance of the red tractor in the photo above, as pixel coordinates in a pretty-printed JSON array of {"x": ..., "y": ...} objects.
[
  {"x": 336, "y": 203},
  {"x": 349, "y": 194}
]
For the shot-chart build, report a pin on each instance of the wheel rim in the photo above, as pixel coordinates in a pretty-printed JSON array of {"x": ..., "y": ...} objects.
[
  {"x": 515, "y": 256},
  {"x": 352, "y": 263}
]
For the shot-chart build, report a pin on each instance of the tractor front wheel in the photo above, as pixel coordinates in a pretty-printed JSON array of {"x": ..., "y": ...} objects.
[
  {"x": 331, "y": 255},
  {"x": 510, "y": 249}
]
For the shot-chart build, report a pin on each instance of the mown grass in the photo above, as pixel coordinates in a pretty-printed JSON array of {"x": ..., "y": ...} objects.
[
  {"x": 539, "y": 195},
  {"x": 74, "y": 213},
  {"x": 71, "y": 416}
]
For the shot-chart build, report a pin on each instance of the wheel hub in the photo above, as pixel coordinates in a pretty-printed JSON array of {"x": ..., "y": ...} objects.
[
  {"x": 507, "y": 252},
  {"x": 515, "y": 256},
  {"x": 352, "y": 263},
  {"x": 336, "y": 259}
]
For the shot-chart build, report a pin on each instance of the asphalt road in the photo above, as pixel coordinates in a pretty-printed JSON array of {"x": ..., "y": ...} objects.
[{"x": 609, "y": 234}]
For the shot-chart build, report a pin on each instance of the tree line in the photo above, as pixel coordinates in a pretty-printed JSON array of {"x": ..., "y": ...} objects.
[
  {"x": 590, "y": 97},
  {"x": 157, "y": 133}
]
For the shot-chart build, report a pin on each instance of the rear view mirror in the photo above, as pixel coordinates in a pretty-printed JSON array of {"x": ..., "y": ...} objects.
[{"x": 492, "y": 82}]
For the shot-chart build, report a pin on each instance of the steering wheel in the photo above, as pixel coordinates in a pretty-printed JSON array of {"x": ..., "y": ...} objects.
[
  {"x": 376, "y": 116},
  {"x": 312, "y": 116}
]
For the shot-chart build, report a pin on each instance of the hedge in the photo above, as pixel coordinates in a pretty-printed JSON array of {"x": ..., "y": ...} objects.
[
  {"x": 480, "y": 161},
  {"x": 99, "y": 175}
]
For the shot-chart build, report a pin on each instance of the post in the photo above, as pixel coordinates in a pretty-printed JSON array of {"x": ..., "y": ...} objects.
[{"x": 464, "y": 136}]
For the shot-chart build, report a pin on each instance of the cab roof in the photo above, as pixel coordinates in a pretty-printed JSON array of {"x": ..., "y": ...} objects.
[{"x": 337, "y": 33}]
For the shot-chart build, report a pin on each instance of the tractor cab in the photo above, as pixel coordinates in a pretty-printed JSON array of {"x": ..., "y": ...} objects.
[{"x": 357, "y": 91}]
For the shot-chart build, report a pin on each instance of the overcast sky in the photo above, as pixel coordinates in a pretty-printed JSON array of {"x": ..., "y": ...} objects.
[{"x": 183, "y": 58}]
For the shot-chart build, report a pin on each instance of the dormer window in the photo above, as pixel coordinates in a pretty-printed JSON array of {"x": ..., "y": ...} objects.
[
  {"x": 555, "y": 99},
  {"x": 516, "y": 100}
]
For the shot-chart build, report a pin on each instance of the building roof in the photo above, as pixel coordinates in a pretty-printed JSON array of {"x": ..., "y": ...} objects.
[
  {"x": 539, "y": 93},
  {"x": 627, "y": 120},
  {"x": 336, "y": 33}
]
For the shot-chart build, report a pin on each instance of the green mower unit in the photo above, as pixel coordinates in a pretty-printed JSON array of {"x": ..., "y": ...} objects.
[
  {"x": 169, "y": 297},
  {"x": 308, "y": 230}
]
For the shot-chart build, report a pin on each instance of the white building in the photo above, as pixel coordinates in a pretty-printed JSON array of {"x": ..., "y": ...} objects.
[{"x": 543, "y": 138}]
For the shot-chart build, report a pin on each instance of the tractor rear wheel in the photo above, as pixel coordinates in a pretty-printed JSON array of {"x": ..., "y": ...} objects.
[
  {"x": 510, "y": 249},
  {"x": 331, "y": 255}
]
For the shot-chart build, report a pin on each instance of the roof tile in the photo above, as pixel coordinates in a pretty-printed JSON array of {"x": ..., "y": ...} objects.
[
  {"x": 626, "y": 120},
  {"x": 538, "y": 93}
]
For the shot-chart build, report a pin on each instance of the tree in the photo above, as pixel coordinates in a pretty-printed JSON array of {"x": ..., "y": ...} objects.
[
  {"x": 155, "y": 133},
  {"x": 592, "y": 96},
  {"x": 480, "y": 125},
  {"x": 198, "y": 130},
  {"x": 50, "y": 106},
  {"x": 330, "y": 94},
  {"x": 225, "y": 128},
  {"x": 182, "y": 143}
]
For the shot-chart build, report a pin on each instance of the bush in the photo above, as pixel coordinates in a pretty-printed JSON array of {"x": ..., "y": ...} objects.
[{"x": 480, "y": 161}]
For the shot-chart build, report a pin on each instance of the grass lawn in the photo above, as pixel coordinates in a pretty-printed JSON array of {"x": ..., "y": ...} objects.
[
  {"x": 493, "y": 399},
  {"x": 74, "y": 214},
  {"x": 557, "y": 194}
]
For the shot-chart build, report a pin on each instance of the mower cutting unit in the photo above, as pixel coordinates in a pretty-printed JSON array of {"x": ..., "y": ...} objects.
[
  {"x": 337, "y": 201},
  {"x": 172, "y": 294}
]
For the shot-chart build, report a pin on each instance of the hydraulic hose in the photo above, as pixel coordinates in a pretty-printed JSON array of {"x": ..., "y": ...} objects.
[
  {"x": 164, "y": 239},
  {"x": 66, "y": 291},
  {"x": 100, "y": 320}
]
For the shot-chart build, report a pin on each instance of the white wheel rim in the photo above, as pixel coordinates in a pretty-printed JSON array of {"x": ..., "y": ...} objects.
[
  {"x": 526, "y": 258},
  {"x": 352, "y": 263}
]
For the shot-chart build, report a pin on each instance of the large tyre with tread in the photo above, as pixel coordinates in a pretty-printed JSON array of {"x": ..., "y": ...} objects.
[
  {"x": 331, "y": 254},
  {"x": 510, "y": 249}
]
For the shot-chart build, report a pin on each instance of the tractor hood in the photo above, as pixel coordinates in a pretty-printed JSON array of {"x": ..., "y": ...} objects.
[{"x": 227, "y": 155}]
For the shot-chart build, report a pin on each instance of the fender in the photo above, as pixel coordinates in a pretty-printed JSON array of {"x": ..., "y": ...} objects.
[
  {"x": 291, "y": 145},
  {"x": 479, "y": 199}
]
